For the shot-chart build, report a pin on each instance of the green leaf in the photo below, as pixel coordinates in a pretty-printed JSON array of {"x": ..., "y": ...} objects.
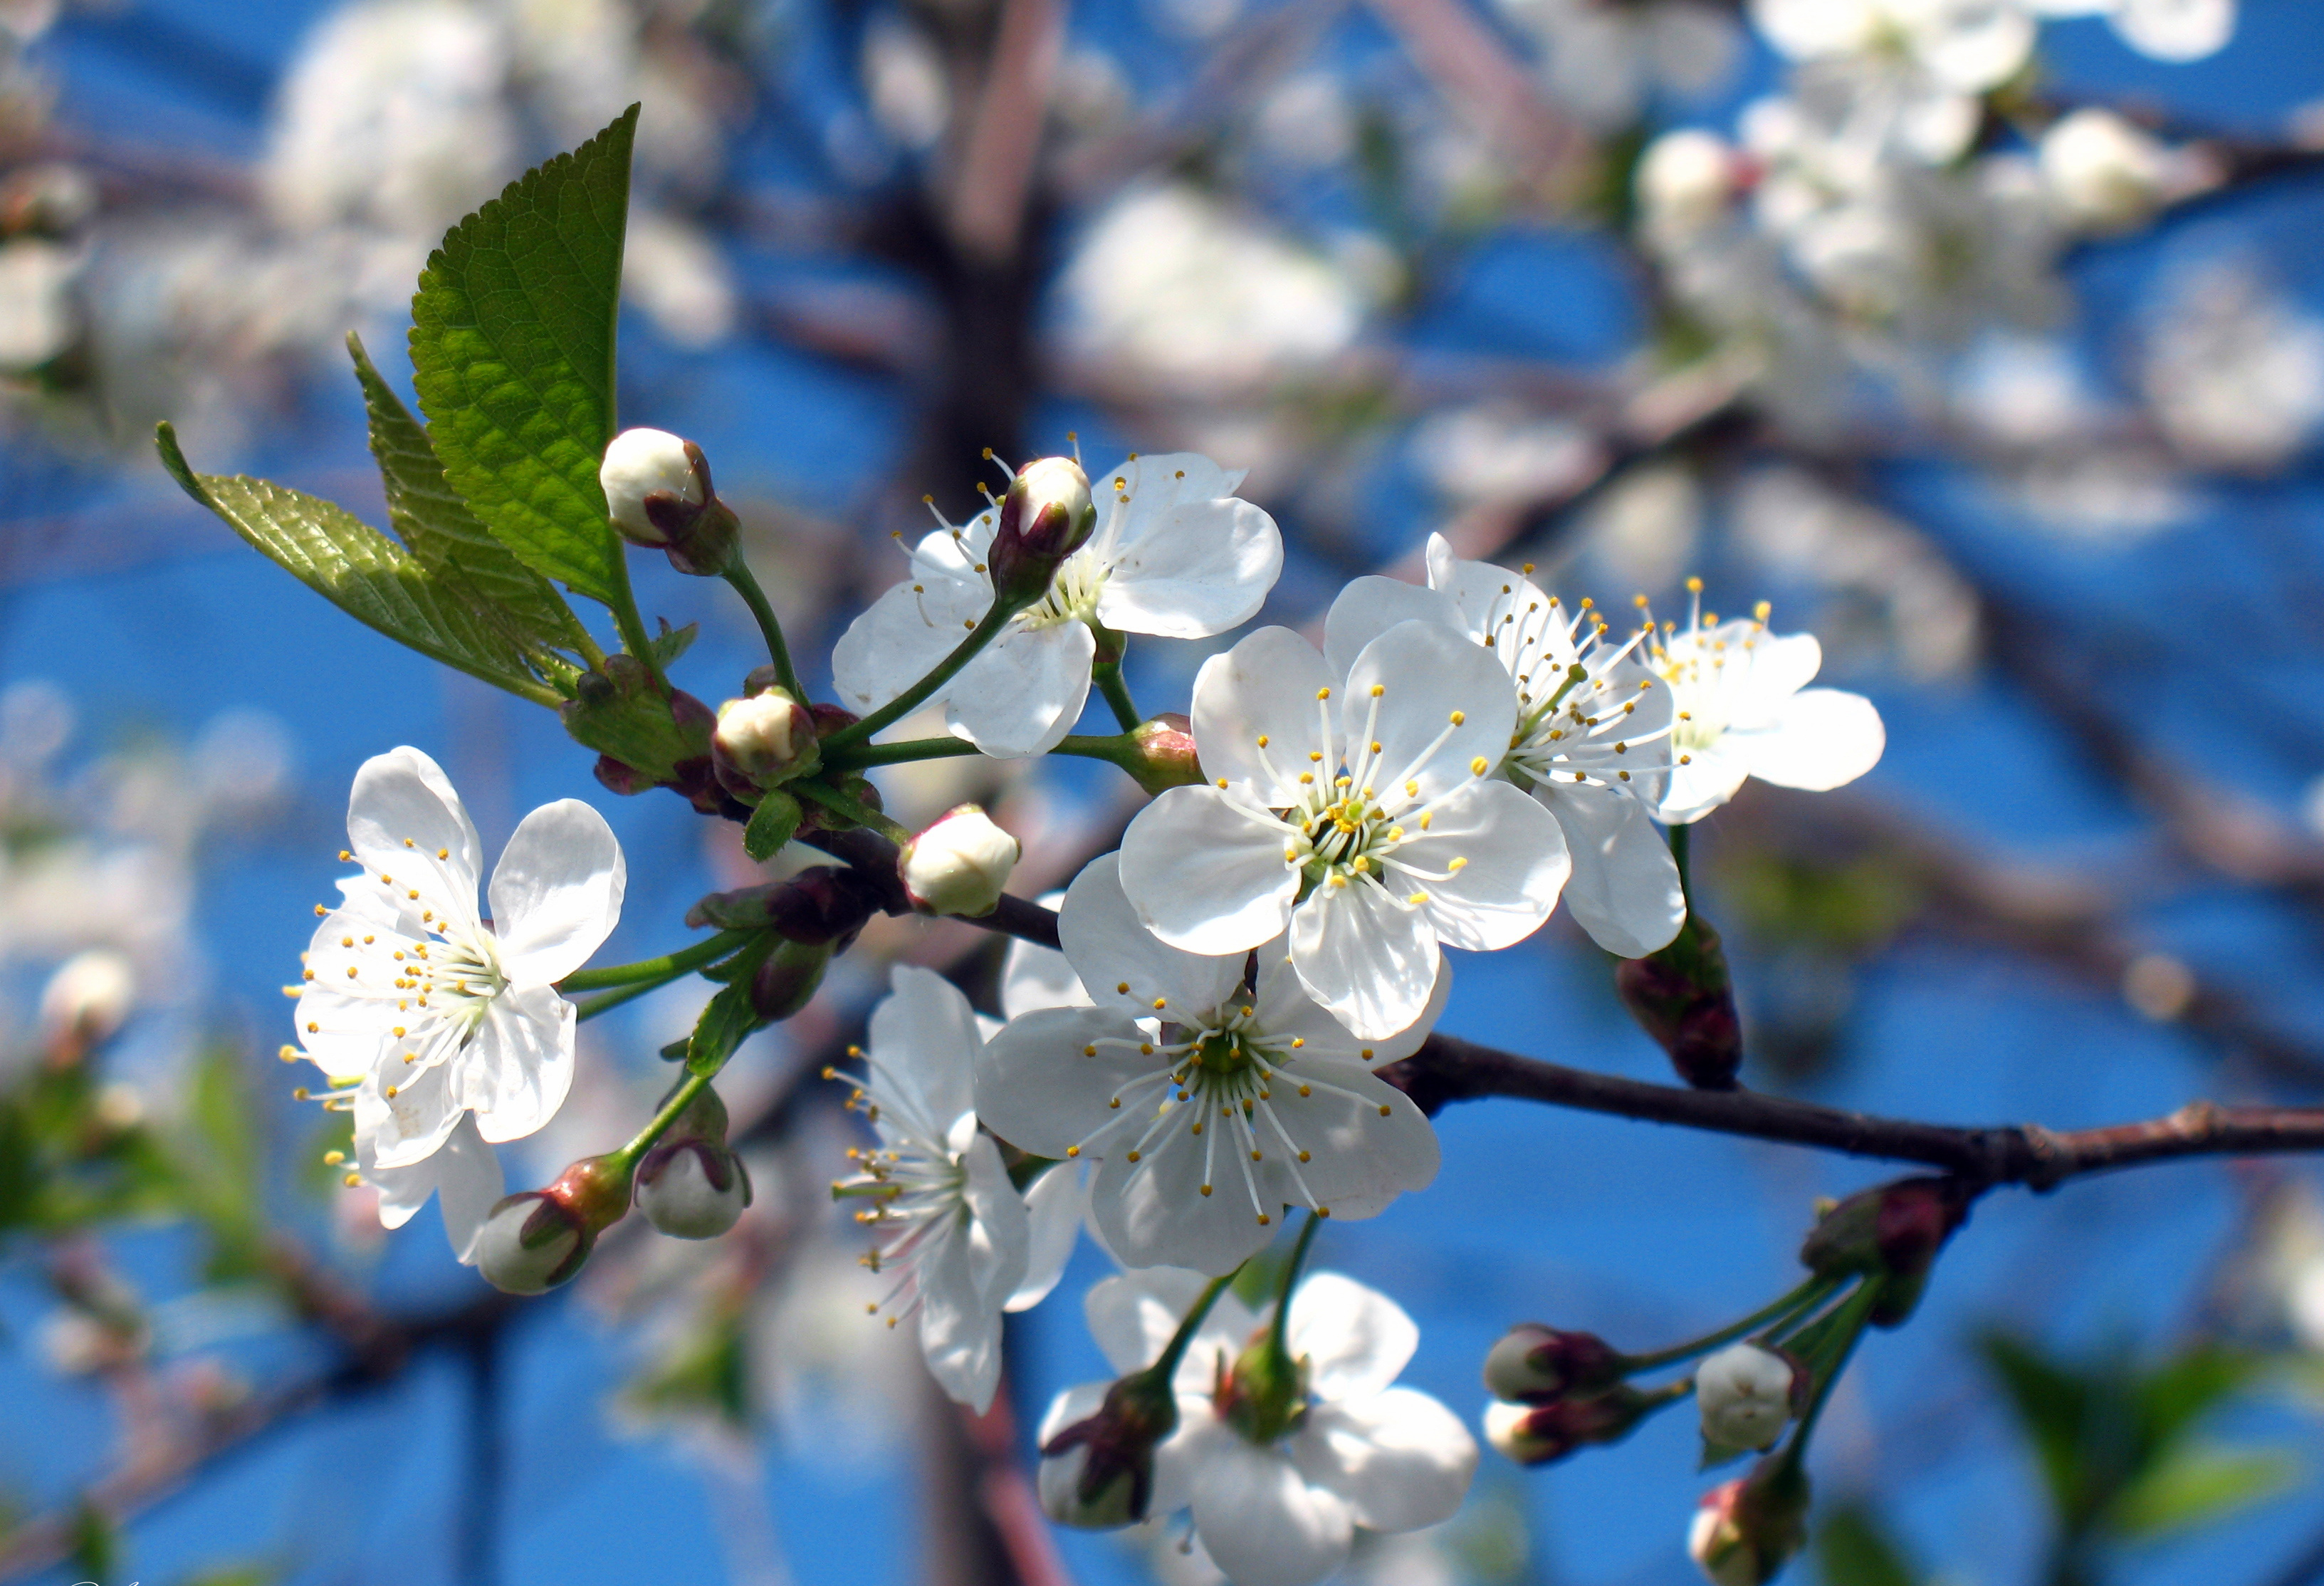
[
  {"x": 2053, "y": 1406},
  {"x": 727, "y": 1019},
  {"x": 1853, "y": 1548},
  {"x": 513, "y": 352},
  {"x": 772, "y": 824},
  {"x": 359, "y": 570},
  {"x": 672, "y": 642},
  {"x": 2197, "y": 1485},
  {"x": 435, "y": 524}
]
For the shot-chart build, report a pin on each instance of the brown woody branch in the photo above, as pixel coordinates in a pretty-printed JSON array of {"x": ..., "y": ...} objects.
[{"x": 1448, "y": 1069}]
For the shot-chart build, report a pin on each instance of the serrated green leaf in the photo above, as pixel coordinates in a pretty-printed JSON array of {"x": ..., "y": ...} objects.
[
  {"x": 435, "y": 524},
  {"x": 359, "y": 570},
  {"x": 772, "y": 824},
  {"x": 2197, "y": 1485},
  {"x": 513, "y": 352}
]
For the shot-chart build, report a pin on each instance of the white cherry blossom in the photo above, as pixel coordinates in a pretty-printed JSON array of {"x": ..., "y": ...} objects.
[
  {"x": 1208, "y": 1104},
  {"x": 2166, "y": 30},
  {"x": 945, "y": 1216},
  {"x": 1594, "y": 749},
  {"x": 408, "y": 987},
  {"x": 1362, "y": 816},
  {"x": 1908, "y": 71},
  {"x": 1175, "y": 554},
  {"x": 1744, "y": 710},
  {"x": 1364, "y": 1453}
]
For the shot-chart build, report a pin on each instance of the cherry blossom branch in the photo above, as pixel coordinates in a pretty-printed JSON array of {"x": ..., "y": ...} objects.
[{"x": 1447, "y": 1069}]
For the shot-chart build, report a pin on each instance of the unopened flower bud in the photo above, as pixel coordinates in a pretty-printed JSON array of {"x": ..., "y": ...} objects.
[
  {"x": 1682, "y": 996},
  {"x": 86, "y": 1001},
  {"x": 1161, "y": 753},
  {"x": 2103, "y": 174},
  {"x": 1745, "y": 1530},
  {"x": 785, "y": 979},
  {"x": 658, "y": 492},
  {"x": 1098, "y": 1473},
  {"x": 1684, "y": 182},
  {"x": 824, "y": 904},
  {"x": 1892, "y": 1232},
  {"x": 536, "y": 1239},
  {"x": 1045, "y": 518},
  {"x": 1747, "y": 1394},
  {"x": 1541, "y": 1433},
  {"x": 959, "y": 865},
  {"x": 1531, "y": 1361},
  {"x": 692, "y": 1188},
  {"x": 761, "y": 740}
]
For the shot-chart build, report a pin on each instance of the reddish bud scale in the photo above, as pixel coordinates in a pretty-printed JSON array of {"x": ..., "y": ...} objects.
[
  {"x": 1892, "y": 1232},
  {"x": 823, "y": 904},
  {"x": 1118, "y": 1444},
  {"x": 1534, "y": 1364},
  {"x": 1550, "y": 1430},
  {"x": 1684, "y": 997}
]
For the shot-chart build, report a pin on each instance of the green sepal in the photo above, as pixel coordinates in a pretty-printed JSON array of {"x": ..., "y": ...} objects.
[
  {"x": 729, "y": 1017},
  {"x": 772, "y": 824},
  {"x": 513, "y": 351}
]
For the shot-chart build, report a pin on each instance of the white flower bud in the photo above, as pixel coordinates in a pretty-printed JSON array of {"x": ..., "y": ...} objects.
[
  {"x": 1684, "y": 182},
  {"x": 2103, "y": 174},
  {"x": 642, "y": 463},
  {"x": 1745, "y": 1395},
  {"x": 1045, "y": 518},
  {"x": 678, "y": 1196},
  {"x": 959, "y": 865},
  {"x": 763, "y": 738},
  {"x": 1716, "y": 1544},
  {"x": 88, "y": 997},
  {"x": 510, "y": 1264}
]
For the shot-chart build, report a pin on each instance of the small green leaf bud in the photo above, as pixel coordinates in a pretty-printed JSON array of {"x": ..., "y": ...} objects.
[
  {"x": 959, "y": 865},
  {"x": 787, "y": 979},
  {"x": 1892, "y": 1232},
  {"x": 1531, "y": 1361},
  {"x": 1045, "y": 518},
  {"x": 692, "y": 1188}
]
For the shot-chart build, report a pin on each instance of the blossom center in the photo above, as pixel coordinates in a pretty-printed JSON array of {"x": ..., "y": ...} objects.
[{"x": 916, "y": 1184}]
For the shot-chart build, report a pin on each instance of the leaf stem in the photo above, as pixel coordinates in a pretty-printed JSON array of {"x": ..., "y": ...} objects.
[
  {"x": 862, "y": 814},
  {"x": 667, "y": 966},
  {"x": 943, "y": 672},
  {"x": 1109, "y": 683},
  {"x": 739, "y": 574},
  {"x": 1804, "y": 1297}
]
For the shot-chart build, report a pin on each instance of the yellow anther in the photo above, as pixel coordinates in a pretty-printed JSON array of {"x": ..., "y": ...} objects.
[
  {"x": 1323, "y": 694},
  {"x": 1379, "y": 689},
  {"x": 1089, "y": 1051},
  {"x": 1262, "y": 740},
  {"x": 1073, "y": 1151},
  {"x": 1459, "y": 716},
  {"x": 1206, "y": 1188}
]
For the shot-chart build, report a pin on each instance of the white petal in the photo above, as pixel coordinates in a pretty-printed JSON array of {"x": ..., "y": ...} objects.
[
  {"x": 999, "y": 1232},
  {"x": 1262, "y": 1522},
  {"x": 1109, "y": 947},
  {"x": 1036, "y": 1089},
  {"x": 1369, "y": 958},
  {"x": 1362, "y": 1158},
  {"x": 410, "y": 1126},
  {"x": 1054, "y": 1207},
  {"x": 1033, "y": 976},
  {"x": 1702, "y": 781},
  {"x": 1445, "y": 706},
  {"x": 1824, "y": 738},
  {"x": 1526, "y": 625},
  {"x": 1193, "y": 569},
  {"x": 556, "y": 892},
  {"x": 1133, "y": 1315},
  {"x": 1515, "y": 865},
  {"x": 905, "y": 633},
  {"x": 1398, "y": 1459},
  {"x": 463, "y": 1170},
  {"x": 2176, "y": 30},
  {"x": 1208, "y": 873},
  {"x": 1153, "y": 1213},
  {"x": 924, "y": 1035},
  {"x": 517, "y": 1071},
  {"x": 1271, "y": 684},
  {"x": 1355, "y": 1339},
  {"x": 1369, "y": 607},
  {"x": 1023, "y": 694},
  {"x": 1780, "y": 666},
  {"x": 401, "y": 814},
  {"x": 960, "y": 1335},
  {"x": 1285, "y": 1012},
  {"x": 1624, "y": 889}
]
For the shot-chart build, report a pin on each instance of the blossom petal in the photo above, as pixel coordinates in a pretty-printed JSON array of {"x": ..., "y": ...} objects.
[
  {"x": 1369, "y": 607},
  {"x": 517, "y": 1069},
  {"x": 1036, "y": 1089},
  {"x": 556, "y": 892},
  {"x": 1824, "y": 737},
  {"x": 2175, "y": 30},
  {"x": 1110, "y": 947},
  {"x": 1054, "y": 1207},
  {"x": 1206, "y": 871},
  {"x": 1023, "y": 694},
  {"x": 1287, "y": 1012},
  {"x": 1526, "y": 625},
  {"x": 960, "y": 1334},
  {"x": 1263, "y": 1524},
  {"x": 1154, "y": 1213},
  {"x": 1704, "y": 779},
  {"x": 1398, "y": 1459},
  {"x": 1367, "y": 1141},
  {"x": 407, "y": 1126},
  {"x": 1438, "y": 706},
  {"x": 1195, "y": 568},
  {"x": 1625, "y": 889},
  {"x": 402, "y": 813},
  {"x": 924, "y": 1035},
  {"x": 1369, "y": 958},
  {"x": 1516, "y": 864},
  {"x": 1356, "y": 1340},
  {"x": 1133, "y": 1315},
  {"x": 1781, "y": 665},
  {"x": 464, "y": 1171},
  {"x": 906, "y": 633},
  {"x": 1033, "y": 976},
  {"x": 1271, "y": 684},
  {"x": 1000, "y": 1233}
]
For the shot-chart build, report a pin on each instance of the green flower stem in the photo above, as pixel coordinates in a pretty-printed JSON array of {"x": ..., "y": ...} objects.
[
  {"x": 613, "y": 1000},
  {"x": 1108, "y": 676},
  {"x": 862, "y": 814},
  {"x": 1680, "y": 847},
  {"x": 1849, "y": 1323},
  {"x": 739, "y": 574},
  {"x": 669, "y": 966},
  {"x": 1807, "y": 1296},
  {"x": 633, "y": 627},
  {"x": 1166, "y": 1367},
  {"x": 1290, "y": 1281},
  {"x": 658, "y": 1125},
  {"x": 942, "y": 673},
  {"x": 1110, "y": 746},
  {"x": 592, "y": 657}
]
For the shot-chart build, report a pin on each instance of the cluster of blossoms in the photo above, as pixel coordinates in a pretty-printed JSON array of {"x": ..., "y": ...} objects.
[{"x": 1200, "y": 1054}]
